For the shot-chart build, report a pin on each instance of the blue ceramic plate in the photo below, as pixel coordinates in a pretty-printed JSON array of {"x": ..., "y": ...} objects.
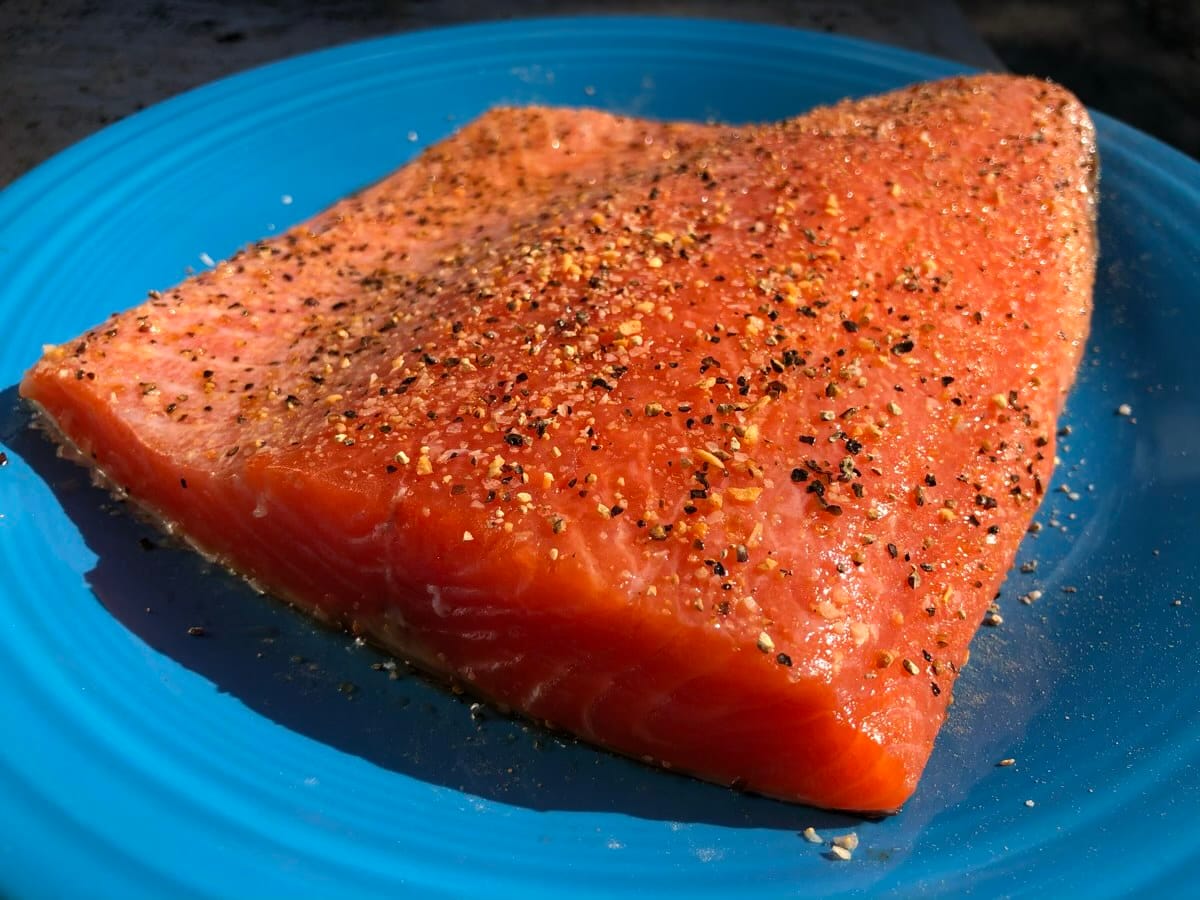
[{"x": 268, "y": 757}]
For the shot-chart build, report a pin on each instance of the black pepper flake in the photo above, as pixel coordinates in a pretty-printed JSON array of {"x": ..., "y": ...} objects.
[
  {"x": 933, "y": 686},
  {"x": 183, "y": 483},
  {"x": 850, "y": 325},
  {"x": 808, "y": 439},
  {"x": 799, "y": 475},
  {"x": 742, "y": 554},
  {"x": 516, "y": 440},
  {"x": 783, "y": 659},
  {"x": 903, "y": 347},
  {"x": 893, "y": 551}
]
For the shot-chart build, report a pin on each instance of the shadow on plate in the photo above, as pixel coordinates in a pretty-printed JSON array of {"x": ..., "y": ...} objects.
[{"x": 325, "y": 685}]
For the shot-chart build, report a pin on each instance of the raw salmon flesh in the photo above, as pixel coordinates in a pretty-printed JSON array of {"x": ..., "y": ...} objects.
[{"x": 710, "y": 445}]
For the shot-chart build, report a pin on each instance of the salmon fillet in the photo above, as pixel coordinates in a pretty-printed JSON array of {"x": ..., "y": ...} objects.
[{"x": 708, "y": 444}]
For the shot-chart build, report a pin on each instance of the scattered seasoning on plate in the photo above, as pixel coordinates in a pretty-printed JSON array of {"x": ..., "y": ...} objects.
[
  {"x": 847, "y": 841},
  {"x": 810, "y": 835},
  {"x": 197, "y": 631}
]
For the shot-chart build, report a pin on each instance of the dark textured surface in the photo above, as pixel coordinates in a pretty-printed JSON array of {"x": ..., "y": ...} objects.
[
  {"x": 68, "y": 68},
  {"x": 1136, "y": 60}
]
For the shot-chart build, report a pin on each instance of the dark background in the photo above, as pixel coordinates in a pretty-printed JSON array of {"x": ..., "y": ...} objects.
[
  {"x": 69, "y": 67},
  {"x": 1137, "y": 60}
]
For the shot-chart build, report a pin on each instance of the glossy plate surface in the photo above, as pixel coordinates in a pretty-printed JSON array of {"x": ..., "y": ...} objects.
[{"x": 268, "y": 757}]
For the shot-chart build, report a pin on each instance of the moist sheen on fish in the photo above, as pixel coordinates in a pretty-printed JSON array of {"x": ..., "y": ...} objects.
[{"x": 707, "y": 444}]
